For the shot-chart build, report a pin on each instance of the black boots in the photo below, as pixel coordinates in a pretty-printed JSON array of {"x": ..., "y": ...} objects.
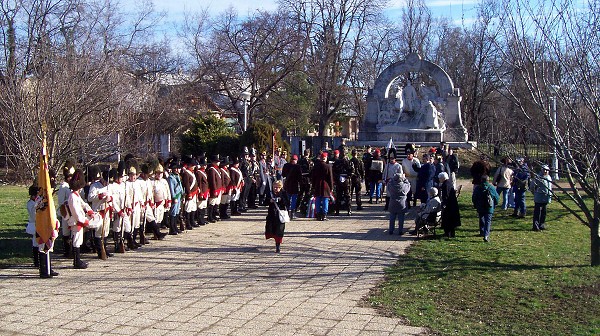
[
  {"x": 77, "y": 262},
  {"x": 172, "y": 225},
  {"x": 35, "y": 254},
  {"x": 210, "y": 214},
  {"x": 277, "y": 247},
  {"x": 235, "y": 208},
  {"x": 98, "y": 246},
  {"x": 67, "y": 249},
  {"x": 119, "y": 245},
  {"x": 223, "y": 211},
  {"x": 130, "y": 242},
  {"x": 156, "y": 230},
  {"x": 188, "y": 220},
  {"x": 201, "y": 216}
]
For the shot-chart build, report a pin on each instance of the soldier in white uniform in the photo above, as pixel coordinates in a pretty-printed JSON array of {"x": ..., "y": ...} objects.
[
  {"x": 133, "y": 191},
  {"x": 162, "y": 199},
  {"x": 62, "y": 194},
  {"x": 117, "y": 190},
  {"x": 79, "y": 215},
  {"x": 100, "y": 200}
]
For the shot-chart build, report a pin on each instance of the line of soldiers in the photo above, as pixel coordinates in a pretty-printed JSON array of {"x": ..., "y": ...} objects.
[{"x": 131, "y": 200}]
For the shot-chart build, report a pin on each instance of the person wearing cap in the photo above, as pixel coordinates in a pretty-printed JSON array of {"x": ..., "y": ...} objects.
[
  {"x": 542, "y": 196},
  {"x": 133, "y": 193},
  {"x": 79, "y": 216},
  {"x": 306, "y": 165},
  {"x": 203, "y": 192},
  {"x": 236, "y": 185},
  {"x": 215, "y": 188},
  {"x": 485, "y": 198},
  {"x": 226, "y": 186},
  {"x": 375, "y": 177},
  {"x": 357, "y": 179},
  {"x": 62, "y": 195},
  {"x": 116, "y": 189},
  {"x": 162, "y": 199},
  {"x": 450, "y": 208},
  {"x": 41, "y": 253},
  {"x": 410, "y": 167},
  {"x": 190, "y": 189},
  {"x": 251, "y": 183},
  {"x": 100, "y": 200},
  {"x": 176, "y": 190},
  {"x": 322, "y": 182},
  {"x": 343, "y": 170},
  {"x": 292, "y": 174},
  {"x": 520, "y": 185},
  {"x": 425, "y": 178},
  {"x": 390, "y": 170}
]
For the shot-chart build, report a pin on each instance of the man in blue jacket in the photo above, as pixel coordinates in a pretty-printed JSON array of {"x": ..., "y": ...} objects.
[{"x": 485, "y": 198}]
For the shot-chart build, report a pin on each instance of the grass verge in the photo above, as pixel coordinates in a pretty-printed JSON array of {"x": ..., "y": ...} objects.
[
  {"x": 15, "y": 244},
  {"x": 521, "y": 283}
]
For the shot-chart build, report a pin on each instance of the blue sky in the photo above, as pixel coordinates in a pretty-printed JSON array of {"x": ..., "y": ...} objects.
[{"x": 175, "y": 8}]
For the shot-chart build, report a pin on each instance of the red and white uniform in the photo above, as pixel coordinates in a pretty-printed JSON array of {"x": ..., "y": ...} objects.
[
  {"x": 79, "y": 217},
  {"x": 63, "y": 197},
  {"x": 117, "y": 191},
  {"x": 215, "y": 188},
  {"x": 226, "y": 185},
  {"x": 203, "y": 192},
  {"x": 237, "y": 183},
  {"x": 190, "y": 187},
  {"x": 99, "y": 198},
  {"x": 162, "y": 198}
]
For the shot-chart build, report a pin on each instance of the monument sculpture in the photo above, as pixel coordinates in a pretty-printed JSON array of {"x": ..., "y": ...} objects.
[{"x": 413, "y": 101}]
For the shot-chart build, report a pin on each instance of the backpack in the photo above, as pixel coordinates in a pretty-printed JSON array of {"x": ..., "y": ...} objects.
[{"x": 489, "y": 198}]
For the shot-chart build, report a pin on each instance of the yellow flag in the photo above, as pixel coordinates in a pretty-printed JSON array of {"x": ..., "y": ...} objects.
[{"x": 45, "y": 214}]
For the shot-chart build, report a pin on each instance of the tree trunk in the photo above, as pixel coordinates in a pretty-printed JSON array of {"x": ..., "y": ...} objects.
[{"x": 595, "y": 238}]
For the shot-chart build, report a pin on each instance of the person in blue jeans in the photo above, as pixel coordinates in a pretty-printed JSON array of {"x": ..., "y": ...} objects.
[
  {"x": 398, "y": 188},
  {"x": 485, "y": 205},
  {"x": 520, "y": 186},
  {"x": 322, "y": 182}
]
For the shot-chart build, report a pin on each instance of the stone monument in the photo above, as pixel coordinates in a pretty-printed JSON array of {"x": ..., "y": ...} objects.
[{"x": 413, "y": 101}]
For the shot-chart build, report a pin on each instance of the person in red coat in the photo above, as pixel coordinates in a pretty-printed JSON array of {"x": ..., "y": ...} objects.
[
  {"x": 215, "y": 188},
  {"x": 322, "y": 181},
  {"x": 202, "y": 190}
]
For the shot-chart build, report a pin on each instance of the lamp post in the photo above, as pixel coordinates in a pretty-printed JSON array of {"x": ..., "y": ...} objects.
[
  {"x": 554, "y": 89},
  {"x": 246, "y": 98}
]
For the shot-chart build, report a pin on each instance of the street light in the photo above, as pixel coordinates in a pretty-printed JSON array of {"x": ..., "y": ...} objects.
[
  {"x": 246, "y": 98},
  {"x": 554, "y": 89}
]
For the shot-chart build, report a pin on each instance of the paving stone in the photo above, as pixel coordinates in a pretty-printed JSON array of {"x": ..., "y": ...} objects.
[{"x": 210, "y": 282}]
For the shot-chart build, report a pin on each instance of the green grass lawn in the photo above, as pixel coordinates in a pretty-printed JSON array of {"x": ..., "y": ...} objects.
[
  {"x": 15, "y": 244},
  {"x": 520, "y": 283}
]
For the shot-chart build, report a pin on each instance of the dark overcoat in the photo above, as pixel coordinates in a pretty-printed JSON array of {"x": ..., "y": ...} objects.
[
  {"x": 450, "y": 209},
  {"x": 293, "y": 176},
  {"x": 322, "y": 179},
  {"x": 274, "y": 228}
]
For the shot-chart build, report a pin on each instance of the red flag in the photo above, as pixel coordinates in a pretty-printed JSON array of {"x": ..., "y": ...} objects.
[{"x": 45, "y": 213}]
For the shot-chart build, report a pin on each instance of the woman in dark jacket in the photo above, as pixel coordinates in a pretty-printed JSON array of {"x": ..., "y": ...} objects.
[
  {"x": 425, "y": 178},
  {"x": 274, "y": 227},
  {"x": 322, "y": 183},
  {"x": 450, "y": 210}
]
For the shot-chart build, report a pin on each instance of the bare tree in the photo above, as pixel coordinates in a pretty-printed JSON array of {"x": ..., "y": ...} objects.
[
  {"x": 550, "y": 52},
  {"x": 416, "y": 28},
  {"x": 254, "y": 54},
  {"x": 66, "y": 68},
  {"x": 334, "y": 30}
]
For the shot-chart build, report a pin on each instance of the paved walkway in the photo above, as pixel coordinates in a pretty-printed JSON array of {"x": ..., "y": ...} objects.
[{"x": 221, "y": 279}]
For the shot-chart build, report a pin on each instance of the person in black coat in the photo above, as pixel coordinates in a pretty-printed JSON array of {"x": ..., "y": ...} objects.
[
  {"x": 274, "y": 228},
  {"x": 450, "y": 209},
  {"x": 292, "y": 172},
  {"x": 425, "y": 178}
]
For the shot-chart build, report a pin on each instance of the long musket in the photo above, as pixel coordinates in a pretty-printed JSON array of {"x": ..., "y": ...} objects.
[
  {"x": 106, "y": 212},
  {"x": 121, "y": 244}
]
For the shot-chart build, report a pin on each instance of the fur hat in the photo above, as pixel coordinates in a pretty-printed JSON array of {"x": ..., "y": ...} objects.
[
  {"x": 94, "y": 173},
  {"x": 78, "y": 180},
  {"x": 68, "y": 168},
  {"x": 131, "y": 166}
]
